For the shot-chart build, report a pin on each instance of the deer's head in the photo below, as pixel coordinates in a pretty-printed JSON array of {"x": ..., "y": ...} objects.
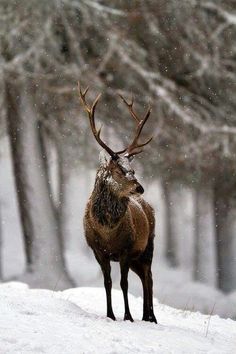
[{"x": 118, "y": 170}]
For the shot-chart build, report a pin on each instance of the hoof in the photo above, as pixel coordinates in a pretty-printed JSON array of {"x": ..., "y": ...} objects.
[
  {"x": 111, "y": 316},
  {"x": 128, "y": 317},
  {"x": 150, "y": 318},
  {"x": 153, "y": 319}
]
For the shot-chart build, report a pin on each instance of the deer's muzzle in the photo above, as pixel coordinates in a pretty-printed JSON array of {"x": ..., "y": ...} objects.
[{"x": 139, "y": 189}]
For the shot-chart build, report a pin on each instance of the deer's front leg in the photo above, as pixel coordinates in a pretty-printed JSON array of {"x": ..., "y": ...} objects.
[
  {"x": 106, "y": 270},
  {"x": 124, "y": 268}
]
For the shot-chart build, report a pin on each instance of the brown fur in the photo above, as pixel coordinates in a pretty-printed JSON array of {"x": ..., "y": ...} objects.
[{"x": 119, "y": 226}]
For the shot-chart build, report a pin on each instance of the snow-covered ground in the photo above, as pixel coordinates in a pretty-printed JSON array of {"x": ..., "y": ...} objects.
[{"x": 73, "y": 322}]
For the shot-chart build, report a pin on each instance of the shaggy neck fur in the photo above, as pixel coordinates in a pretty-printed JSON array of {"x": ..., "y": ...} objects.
[{"x": 107, "y": 207}]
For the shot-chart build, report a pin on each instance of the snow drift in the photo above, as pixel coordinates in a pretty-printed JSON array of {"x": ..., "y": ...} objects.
[{"x": 73, "y": 322}]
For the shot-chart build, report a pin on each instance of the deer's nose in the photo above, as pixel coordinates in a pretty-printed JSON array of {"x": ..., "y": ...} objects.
[{"x": 139, "y": 189}]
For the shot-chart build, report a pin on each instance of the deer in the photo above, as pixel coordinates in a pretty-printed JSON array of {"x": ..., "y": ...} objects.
[{"x": 118, "y": 223}]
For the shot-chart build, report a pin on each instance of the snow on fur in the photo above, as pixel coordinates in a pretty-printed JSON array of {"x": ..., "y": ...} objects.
[{"x": 73, "y": 322}]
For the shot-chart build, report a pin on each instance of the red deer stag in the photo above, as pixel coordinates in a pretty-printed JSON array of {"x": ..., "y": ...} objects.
[{"x": 118, "y": 223}]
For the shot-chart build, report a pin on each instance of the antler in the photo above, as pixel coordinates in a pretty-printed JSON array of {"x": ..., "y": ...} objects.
[
  {"x": 91, "y": 111},
  {"x": 135, "y": 147}
]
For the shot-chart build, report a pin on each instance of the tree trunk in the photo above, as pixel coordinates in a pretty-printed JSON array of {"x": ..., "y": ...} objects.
[
  {"x": 205, "y": 248},
  {"x": 154, "y": 193},
  {"x": 67, "y": 190},
  {"x": 45, "y": 264},
  {"x": 51, "y": 151},
  {"x": 171, "y": 218},
  {"x": 179, "y": 226},
  {"x": 71, "y": 207},
  {"x": 225, "y": 219},
  {"x": 0, "y": 241}
]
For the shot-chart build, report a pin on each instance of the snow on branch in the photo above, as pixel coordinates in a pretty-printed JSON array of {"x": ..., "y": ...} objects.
[
  {"x": 166, "y": 90},
  {"x": 230, "y": 18},
  {"x": 20, "y": 58},
  {"x": 161, "y": 90},
  {"x": 109, "y": 53},
  {"x": 99, "y": 7}
]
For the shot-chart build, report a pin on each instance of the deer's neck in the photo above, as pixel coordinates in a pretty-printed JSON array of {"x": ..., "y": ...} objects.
[{"x": 107, "y": 207}]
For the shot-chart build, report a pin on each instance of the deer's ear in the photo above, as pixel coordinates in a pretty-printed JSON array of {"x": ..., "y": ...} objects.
[{"x": 103, "y": 159}]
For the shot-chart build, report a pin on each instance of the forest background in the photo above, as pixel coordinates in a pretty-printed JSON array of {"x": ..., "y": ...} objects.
[{"x": 180, "y": 58}]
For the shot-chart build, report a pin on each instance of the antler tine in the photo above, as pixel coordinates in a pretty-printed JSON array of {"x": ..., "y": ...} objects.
[
  {"x": 135, "y": 148},
  {"x": 82, "y": 97},
  {"x": 142, "y": 123},
  {"x": 131, "y": 151},
  {"x": 89, "y": 110},
  {"x": 91, "y": 115},
  {"x": 130, "y": 107}
]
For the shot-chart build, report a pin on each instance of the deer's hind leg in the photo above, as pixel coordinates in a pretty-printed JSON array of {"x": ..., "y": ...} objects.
[{"x": 142, "y": 267}]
